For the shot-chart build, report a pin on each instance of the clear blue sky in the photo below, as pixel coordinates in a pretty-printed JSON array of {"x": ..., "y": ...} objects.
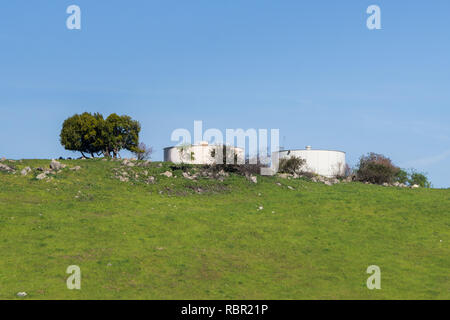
[{"x": 310, "y": 68}]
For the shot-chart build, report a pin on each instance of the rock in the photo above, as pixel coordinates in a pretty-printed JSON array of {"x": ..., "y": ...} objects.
[
  {"x": 22, "y": 294},
  {"x": 123, "y": 179},
  {"x": 260, "y": 208},
  {"x": 284, "y": 175},
  {"x": 278, "y": 184},
  {"x": 222, "y": 173},
  {"x": 328, "y": 183},
  {"x": 290, "y": 188},
  {"x": 168, "y": 174},
  {"x": 385, "y": 184},
  {"x": 151, "y": 179},
  {"x": 55, "y": 165},
  {"x": 159, "y": 165},
  {"x": 4, "y": 167},
  {"x": 187, "y": 176},
  {"x": 415, "y": 186},
  {"x": 75, "y": 168},
  {"x": 41, "y": 176},
  {"x": 25, "y": 171},
  {"x": 253, "y": 179},
  {"x": 128, "y": 163}
]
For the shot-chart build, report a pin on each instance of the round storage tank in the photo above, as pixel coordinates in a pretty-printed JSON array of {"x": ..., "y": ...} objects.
[{"x": 327, "y": 163}]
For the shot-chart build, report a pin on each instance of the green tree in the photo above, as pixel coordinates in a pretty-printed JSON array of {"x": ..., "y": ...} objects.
[
  {"x": 80, "y": 132},
  {"x": 92, "y": 134},
  {"x": 123, "y": 133}
]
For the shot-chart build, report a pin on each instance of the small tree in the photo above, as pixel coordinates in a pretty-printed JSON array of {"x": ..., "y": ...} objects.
[
  {"x": 419, "y": 179},
  {"x": 292, "y": 165},
  {"x": 143, "y": 152},
  {"x": 376, "y": 168}
]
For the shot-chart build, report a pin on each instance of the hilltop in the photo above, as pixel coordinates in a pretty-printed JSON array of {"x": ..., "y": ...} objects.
[{"x": 152, "y": 230}]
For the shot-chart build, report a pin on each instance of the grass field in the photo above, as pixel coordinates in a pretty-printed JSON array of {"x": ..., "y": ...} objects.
[{"x": 164, "y": 241}]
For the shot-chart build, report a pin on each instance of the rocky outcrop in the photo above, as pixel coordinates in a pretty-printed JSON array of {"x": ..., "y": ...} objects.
[
  {"x": 55, "y": 165},
  {"x": 5, "y": 168}
]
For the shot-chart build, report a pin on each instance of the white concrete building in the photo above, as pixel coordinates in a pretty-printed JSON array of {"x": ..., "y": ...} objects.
[
  {"x": 328, "y": 163},
  {"x": 197, "y": 154}
]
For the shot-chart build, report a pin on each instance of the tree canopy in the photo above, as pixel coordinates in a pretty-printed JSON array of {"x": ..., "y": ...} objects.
[{"x": 92, "y": 134}]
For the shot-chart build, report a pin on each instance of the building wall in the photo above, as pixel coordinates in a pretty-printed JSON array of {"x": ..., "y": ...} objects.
[
  {"x": 326, "y": 163},
  {"x": 201, "y": 154}
]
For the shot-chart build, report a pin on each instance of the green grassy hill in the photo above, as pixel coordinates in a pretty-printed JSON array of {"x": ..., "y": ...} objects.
[{"x": 184, "y": 239}]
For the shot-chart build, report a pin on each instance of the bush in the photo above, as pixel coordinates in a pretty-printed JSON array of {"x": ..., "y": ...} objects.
[
  {"x": 292, "y": 165},
  {"x": 376, "y": 168},
  {"x": 420, "y": 179},
  {"x": 402, "y": 176}
]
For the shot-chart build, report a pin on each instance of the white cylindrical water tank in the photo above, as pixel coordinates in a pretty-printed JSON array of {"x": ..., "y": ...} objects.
[
  {"x": 327, "y": 163},
  {"x": 197, "y": 154}
]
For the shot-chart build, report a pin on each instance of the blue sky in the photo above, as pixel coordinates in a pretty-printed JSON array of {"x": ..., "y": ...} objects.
[{"x": 309, "y": 68}]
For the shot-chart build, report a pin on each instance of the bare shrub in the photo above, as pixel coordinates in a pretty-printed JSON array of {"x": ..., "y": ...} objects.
[{"x": 143, "y": 152}]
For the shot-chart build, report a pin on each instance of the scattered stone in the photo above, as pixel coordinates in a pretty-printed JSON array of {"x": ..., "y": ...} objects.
[
  {"x": 55, "y": 165},
  {"x": 278, "y": 184},
  {"x": 4, "y": 167},
  {"x": 290, "y": 188},
  {"x": 25, "y": 171},
  {"x": 187, "y": 175},
  {"x": 41, "y": 176},
  {"x": 385, "y": 184},
  {"x": 151, "y": 179},
  {"x": 260, "y": 208},
  {"x": 328, "y": 183},
  {"x": 123, "y": 179},
  {"x": 253, "y": 179},
  {"x": 128, "y": 163},
  {"x": 22, "y": 294},
  {"x": 284, "y": 175},
  {"x": 168, "y": 174},
  {"x": 415, "y": 186},
  {"x": 75, "y": 168}
]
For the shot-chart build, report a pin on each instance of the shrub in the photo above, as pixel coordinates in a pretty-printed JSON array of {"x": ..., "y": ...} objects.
[
  {"x": 420, "y": 179},
  {"x": 291, "y": 165},
  {"x": 402, "y": 176},
  {"x": 376, "y": 168}
]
